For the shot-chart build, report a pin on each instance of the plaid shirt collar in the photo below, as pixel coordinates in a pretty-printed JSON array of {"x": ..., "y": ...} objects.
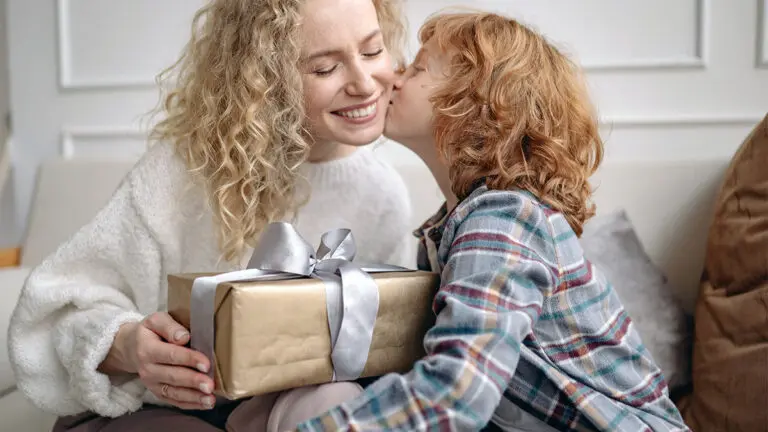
[{"x": 433, "y": 227}]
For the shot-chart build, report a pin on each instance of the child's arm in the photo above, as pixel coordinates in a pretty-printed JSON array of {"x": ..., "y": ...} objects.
[{"x": 492, "y": 290}]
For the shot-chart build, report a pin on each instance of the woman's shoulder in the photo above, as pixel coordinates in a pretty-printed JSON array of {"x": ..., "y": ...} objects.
[
  {"x": 159, "y": 168},
  {"x": 383, "y": 177},
  {"x": 160, "y": 183}
]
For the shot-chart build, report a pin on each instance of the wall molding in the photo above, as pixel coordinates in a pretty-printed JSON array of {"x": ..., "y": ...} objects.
[
  {"x": 5, "y": 165},
  {"x": 681, "y": 121},
  {"x": 761, "y": 57},
  {"x": 66, "y": 79},
  {"x": 70, "y": 136},
  {"x": 699, "y": 59}
]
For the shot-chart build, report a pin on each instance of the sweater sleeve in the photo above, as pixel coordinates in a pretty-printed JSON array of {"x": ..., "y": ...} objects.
[
  {"x": 404, "y": 254},
  {"x": 72, "y": 305}
]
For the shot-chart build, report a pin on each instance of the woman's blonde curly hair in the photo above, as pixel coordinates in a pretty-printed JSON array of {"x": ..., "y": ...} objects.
[
  {"x": 236, "y": 110},
  {"x": 515, "y": 112}
]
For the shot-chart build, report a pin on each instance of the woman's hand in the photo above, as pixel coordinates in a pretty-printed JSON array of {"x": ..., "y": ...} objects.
[{"x": 154, "y": 349}]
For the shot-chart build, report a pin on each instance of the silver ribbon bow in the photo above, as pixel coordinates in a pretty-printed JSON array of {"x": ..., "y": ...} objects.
[{"x": 352, "y": 296}]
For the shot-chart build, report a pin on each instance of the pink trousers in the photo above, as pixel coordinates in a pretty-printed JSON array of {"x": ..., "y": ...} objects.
[{"x": 276, "y": 412}]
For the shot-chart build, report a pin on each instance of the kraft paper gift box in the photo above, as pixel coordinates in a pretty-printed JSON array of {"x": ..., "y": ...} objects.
[{"x": 267, "y": 329}]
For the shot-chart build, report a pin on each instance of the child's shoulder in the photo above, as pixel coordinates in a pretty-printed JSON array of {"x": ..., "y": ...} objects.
[
  {"x": 521, "y": 218},
  {"x": 515, "y": 215},
  {"x": 512, "y": 205}
]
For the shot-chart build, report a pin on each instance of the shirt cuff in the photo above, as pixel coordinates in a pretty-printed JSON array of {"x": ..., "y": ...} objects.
[{"x": 330, "y": 421}]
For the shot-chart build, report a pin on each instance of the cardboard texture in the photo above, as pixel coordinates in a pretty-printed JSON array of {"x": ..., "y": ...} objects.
[{"x": 274, "y": 335}]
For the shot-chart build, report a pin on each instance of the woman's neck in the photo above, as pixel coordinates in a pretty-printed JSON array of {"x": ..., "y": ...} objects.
[{"x": 327, "y": 151}]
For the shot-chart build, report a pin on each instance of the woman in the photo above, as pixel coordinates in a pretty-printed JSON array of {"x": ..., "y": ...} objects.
[{"x": 271, "y": 96}]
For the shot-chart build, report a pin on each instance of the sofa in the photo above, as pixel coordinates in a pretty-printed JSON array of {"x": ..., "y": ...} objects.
[
  {"x": 668, "y": 204},
  {"x": 66, "y": 195}
]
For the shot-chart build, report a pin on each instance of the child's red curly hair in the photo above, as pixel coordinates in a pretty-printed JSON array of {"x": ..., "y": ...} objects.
[{"x": 515, "y": 111}]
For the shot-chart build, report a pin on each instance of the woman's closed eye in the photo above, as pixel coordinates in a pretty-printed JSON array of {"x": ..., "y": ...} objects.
[
  {"x": 325, "y": 71},
  {"x": 375, "y": 53}
]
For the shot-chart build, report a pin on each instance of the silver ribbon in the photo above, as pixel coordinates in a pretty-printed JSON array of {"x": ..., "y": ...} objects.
[{"x": 352, "y": 296}]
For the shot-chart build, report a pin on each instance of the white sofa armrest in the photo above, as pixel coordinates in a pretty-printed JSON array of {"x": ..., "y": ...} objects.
[
  {"x": 19, "y": 414},
  {"x": 11, "y": 282}
]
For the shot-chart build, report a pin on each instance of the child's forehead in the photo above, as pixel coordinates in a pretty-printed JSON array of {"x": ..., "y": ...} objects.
[
  {"x": 422, "y": 55},
  {"x": 431, "y": 56},
  {"x": 429, "y": 51}
]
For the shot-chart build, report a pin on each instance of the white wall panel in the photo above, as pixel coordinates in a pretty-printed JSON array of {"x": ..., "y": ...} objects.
[
  {"x": 106, "y": 142},
  {"x": 119, "y": 43},
  {"x": 675, "y": 139},
  {"x": 603, "y": 35}
]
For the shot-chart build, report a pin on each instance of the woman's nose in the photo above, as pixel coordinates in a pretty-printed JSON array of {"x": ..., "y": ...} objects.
[{"x": 361, "y": 83}]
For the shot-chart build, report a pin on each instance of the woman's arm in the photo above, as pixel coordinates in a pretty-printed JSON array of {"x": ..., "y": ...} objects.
[
  {"x": 72, "y": 306},
  {"x": 62, "y": 335}
]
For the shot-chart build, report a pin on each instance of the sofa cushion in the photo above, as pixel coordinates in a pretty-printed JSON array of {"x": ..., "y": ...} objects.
[
  {"x": 730, "y": 356},
  {"x": 19, "y": 414},
  {"x": 68, "y": 194},
  {"x": 11, "y": 282},
  {"x": 611, "y": 244},
  {"x": 670, "y": 206},
  {"x": 737, "y": 246}
]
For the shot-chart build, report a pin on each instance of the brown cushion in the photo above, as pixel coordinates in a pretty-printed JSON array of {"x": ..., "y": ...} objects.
[
  {"x": 737, "y": 247},
  {"x": 730, "y": 355},
  {"x": 730, "y": 362}
]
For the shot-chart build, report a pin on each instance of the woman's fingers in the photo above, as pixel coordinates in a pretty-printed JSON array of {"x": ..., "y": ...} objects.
[
  {"x": 174, "y": 352},
  {"x": 179, "y": 386},
  {"x": 171, "y": 371},
  {"x": 178, "y": 377},
  {"x": 168, "y": 354},
  {"x": 181, "y": 397},
  {"x": 167, "y": 328}
]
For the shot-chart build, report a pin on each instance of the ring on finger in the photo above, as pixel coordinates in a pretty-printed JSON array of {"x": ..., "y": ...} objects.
[{"x": 164, "y": 390}]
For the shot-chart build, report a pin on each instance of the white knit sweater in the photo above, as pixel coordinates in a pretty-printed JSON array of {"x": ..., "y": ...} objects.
[{"x": 114, "y": 269}]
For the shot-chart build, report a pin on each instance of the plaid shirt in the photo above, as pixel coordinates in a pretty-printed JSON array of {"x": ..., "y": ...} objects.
[{"x": 525, "y": 324}]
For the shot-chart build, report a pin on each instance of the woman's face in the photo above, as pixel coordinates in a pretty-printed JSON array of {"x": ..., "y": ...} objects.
[
  {"x": 347, "y": 71},
  {"x": 410, "y": 115}
]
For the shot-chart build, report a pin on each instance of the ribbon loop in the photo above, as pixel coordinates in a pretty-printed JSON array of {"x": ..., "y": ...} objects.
[
  {"x": 282, "y": 249},
  {"x": 352, "y": 296},
  {"x": 337, "y": 244}
]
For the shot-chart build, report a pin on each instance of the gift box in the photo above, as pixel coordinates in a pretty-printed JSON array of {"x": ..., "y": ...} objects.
[{"x": 297, "y": 317}]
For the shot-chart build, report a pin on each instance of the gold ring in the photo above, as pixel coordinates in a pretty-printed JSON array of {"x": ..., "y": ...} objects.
[{"x": 164, "y": 390}]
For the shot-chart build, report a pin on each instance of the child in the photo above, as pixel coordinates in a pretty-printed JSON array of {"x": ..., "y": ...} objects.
[{"x": 529, "y": 334}]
